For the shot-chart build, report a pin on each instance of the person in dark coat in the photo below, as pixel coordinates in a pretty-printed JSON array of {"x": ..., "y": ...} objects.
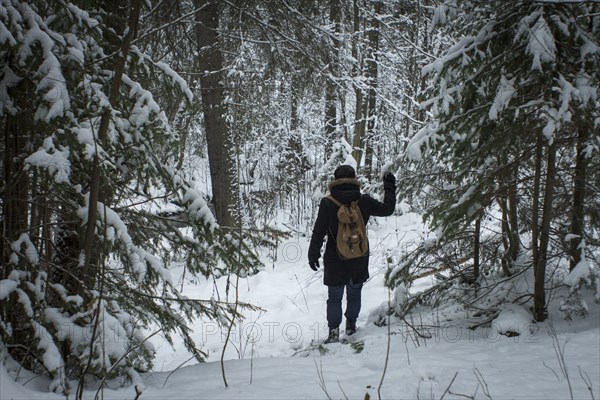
[{"x": 339, "y": 273}]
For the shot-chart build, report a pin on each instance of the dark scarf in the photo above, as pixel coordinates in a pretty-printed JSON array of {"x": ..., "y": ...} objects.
[{"x": 345, "y": 190}]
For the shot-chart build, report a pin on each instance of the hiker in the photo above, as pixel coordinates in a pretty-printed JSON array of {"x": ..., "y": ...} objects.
[{"x": 342, "y": 272}]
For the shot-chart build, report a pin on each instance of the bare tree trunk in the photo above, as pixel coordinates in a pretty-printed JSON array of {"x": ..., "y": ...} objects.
[
  {"x": 358, "y": 140},
  {"x": 539, "y": 295},
  {"x": 510, "y": 223},
  {"x": 535, "y": 206},
  {"x": 330, "y": 116},
  {"x": 513, "y": 219},
  {"x": 413, "y": 71},
  {"x": 578, "y": 198},
  {"x": 210, "y": 64},
  {"x": 299, "y": 163},
  {"x": 505, "y": 236},
  {"x": 295, "y": 148},
  {"x": 371, "y": 74},
  {"x": 331, "y": 85},
  {"x": 476, "y": 248},
  {"x": 294, "y": 105}
]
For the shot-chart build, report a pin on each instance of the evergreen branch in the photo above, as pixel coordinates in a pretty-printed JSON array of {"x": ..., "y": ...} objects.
[
  {"x": 199, "y": 301},
  {"x": 115, "y": 364},
  {"x": 165, "y": 26},
  {"x": 31, "y": 353}
]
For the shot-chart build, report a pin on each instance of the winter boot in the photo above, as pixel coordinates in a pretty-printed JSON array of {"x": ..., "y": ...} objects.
[
  {"x": 350, "y": 327},
  {"x": 334, "y": 335}
]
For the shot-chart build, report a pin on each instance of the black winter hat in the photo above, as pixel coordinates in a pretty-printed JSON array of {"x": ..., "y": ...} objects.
[{"x": 344, "y": 171}]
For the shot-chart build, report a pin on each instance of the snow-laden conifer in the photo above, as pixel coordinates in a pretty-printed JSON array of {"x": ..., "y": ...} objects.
[
  {"x": 513, "y": 108},
  {"x": 78, "y": 315}
]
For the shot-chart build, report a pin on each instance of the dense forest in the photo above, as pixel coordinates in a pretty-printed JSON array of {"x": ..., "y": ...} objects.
[{"x": 136, "y": 134}]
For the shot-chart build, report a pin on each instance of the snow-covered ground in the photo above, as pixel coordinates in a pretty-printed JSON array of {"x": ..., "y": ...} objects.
[{"x": 271, "y": 354}]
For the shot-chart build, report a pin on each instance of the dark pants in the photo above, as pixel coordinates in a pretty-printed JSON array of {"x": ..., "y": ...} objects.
[{"x": 334, "y": 304}]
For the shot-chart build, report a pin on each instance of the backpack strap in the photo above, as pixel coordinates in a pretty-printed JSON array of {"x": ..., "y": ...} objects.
[{"x": 337, "y": 203}]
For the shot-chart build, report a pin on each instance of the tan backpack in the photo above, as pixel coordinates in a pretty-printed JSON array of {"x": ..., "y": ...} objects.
[{"x": 351, "y": 241}]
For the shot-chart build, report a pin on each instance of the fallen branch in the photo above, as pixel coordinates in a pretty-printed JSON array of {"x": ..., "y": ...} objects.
[
  {"x": 176, "y": 369},
  {"x": 449, "y": 386}
]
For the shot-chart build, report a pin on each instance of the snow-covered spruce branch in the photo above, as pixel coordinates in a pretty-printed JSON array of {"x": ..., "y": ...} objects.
[
  {"x": 156, "y": 30},
  {"x": 32, "y": 354},
  {"x": 199, "y": 301},
  {"x": 125, "y": 355}
]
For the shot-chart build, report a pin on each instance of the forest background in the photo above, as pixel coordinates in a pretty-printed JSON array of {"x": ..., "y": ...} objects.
[{"x": 487, "y": 113}]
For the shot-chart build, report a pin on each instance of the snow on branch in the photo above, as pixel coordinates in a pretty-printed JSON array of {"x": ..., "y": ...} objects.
[
  {"x": 175, "y": 78},
  {"x": 51, "y": 358},
  {"x": 460, "y": 49},
  {"x": 31, "y": 253},
  {"x": 422, "y": 137},
  {"x": 540, "y": 41},
  {"x": 504, "y": 93},
  {"x": 55, "y": 161},
  {"x": 555, "y": 117},
  {"x": 52, "y": 83},
  {"x": 7, "y": 286},
  {"x": 145, "y": 106}
]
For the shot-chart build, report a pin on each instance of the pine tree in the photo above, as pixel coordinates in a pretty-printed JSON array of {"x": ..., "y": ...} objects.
[
  {"x": 509, "y": 98},
  {"x": 76, "y": 304}
]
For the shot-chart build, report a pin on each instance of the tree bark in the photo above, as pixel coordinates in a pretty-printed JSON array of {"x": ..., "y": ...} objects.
[
  {"x": 536, "y": 202},
  {"x": 371, "y": 75},
  {"x": 210, "y": 64},
  {"x": 539, "y": 296},
  {"x": 299, "y": 162},
  {"x": 476, "y": 248},
  {"x": 505, "y": 236},
  {"x": 331, "y": 85},
  {"x": 505, "y": 233},
  {"x": 510, "y": 223},
  {"x": 330, "y": 116},
  {"x": 358, "y": 140},
  {"x": 513, "y": 219},
  {"x": 578, "y": 210},
  {"x": 294, "y": 104}
]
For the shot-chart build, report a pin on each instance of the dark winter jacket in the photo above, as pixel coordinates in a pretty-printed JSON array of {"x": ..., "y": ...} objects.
[{"x": 339, "y": 272}]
